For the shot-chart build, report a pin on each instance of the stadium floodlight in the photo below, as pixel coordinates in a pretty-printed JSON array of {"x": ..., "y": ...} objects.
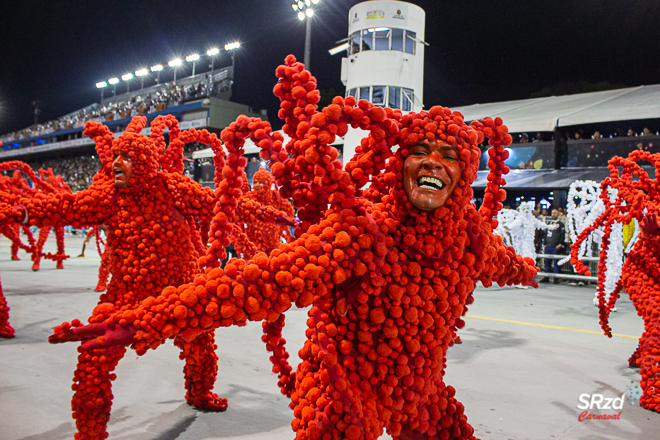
[
  {"x": 157, "y": 68},
  {"x": 337, "y": 49},
  {"x": 127, "y": 77},
  {"x": 232, "y": 46},
  {"x": 212, "y": 52},
  {"x": 193, "y": 58},
  {"x": 141, "y": 73},
  {"x": 176, "y": 62},
  {"x": 304, "y": 11},
  {"x": 113, "y": 82},
  {"x": 101, "y": 85}
]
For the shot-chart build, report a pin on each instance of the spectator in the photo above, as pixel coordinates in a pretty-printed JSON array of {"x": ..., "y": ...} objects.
[
  {"x": 597, "y": 135},
  {"x": 631, "y": 133},
  {"x": 647, "y": 132},
  {"x": 524, "y": 138},
  {"x": 554, "y": 245}
]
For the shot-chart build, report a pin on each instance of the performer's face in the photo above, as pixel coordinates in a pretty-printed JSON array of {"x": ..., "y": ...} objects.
[
  {"x": 258, "y": 185},
  {"x": 122, "y": 169},
  {"x": 430, "y": 174}
]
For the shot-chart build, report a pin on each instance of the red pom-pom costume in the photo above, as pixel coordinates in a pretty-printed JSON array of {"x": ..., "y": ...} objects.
[
  {"x": 155, "y": 226},
  {"x": 46, "y": 183},
  {"x": 638, "y": 197},
  {"x": 387, "y": 282},
  {"x": 265, "y": 236}
]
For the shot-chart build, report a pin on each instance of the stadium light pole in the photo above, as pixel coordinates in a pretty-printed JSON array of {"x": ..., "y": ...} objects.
[
  {"x": 113, "y": 82},
  {"x": 141, "y": 73},
  {"x": 157, "y": 68},
  {"x": 127, "y": 78},
  {"x": 174, "y": 64},
  {"x": 212, "y": 53},
  {"x": 305, "y": 12},
  {"x": 231, "y": 47},
  {"x": 193, "y": 59},
  {"x": 101, "y": 85}
]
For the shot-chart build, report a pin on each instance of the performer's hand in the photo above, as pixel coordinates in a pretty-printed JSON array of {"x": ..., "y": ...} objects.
[
  {"x": 99, "y": 335},
  {"x": 650, "y": 226},
  {"x": 284, "y": 221}
]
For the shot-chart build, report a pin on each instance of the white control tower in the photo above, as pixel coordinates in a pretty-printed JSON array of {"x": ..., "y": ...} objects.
[{"x": 385, "y": 62}]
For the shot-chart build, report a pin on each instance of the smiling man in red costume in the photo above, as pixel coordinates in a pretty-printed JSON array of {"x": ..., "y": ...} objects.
[
  {"x": 152, "y": 213},
  {"x": 388, "y": 270}
]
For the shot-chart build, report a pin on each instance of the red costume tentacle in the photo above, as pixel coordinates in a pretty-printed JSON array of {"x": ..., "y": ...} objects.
[
  {"x": 498, "y": 138},
  {"x": 6, "y": 330}
]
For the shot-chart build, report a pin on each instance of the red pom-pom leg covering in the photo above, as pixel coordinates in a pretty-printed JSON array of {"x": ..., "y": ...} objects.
[
  {"x": 92, "y": 399},
  {"x": 276, "y": 344},
  {"x": 634, "y": 358},
  {"x": 6, "y": 331},
  {"x": 650, "y": 354},
  {"x": 104, "y": 271},
  {"x": 442, "y": 417},
  {"x": 38, "y": 250},
  {"x": 200, "y": 372}
]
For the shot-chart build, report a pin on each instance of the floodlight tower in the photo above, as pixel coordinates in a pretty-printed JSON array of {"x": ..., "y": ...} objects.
[
  {"x": 101, "y": 85},
  {"x": 305, "y": 11},
  {"x": 141, "y": 73},
  {"x": 157, "y": 68},
  {"x": 193, "y": 59},
  {"x": 174, "y": 64},
  {"x": 385, "y": 58},
  {"x": 127, "y": 78},
  {"x": 211, "y": 53},
  {"x": 113, "y": 82}
]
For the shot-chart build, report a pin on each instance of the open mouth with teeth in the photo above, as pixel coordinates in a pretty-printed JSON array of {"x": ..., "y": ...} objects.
[
  {"x": 427, "y": 182},
  {"x": 118, "y": 172}
]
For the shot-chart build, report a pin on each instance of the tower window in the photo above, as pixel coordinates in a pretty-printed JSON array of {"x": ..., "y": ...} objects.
[
  {"x": 408, "y": 98},
  {"x": 378, "y": 95},
  {"x": 410, "y": 42},
  {"x": 397, "y": 39},
  {"x": 364, "y": 93},
  {"x": 367, "y": 39},
  {"x": 382, "y": 39},
  {"x": 394, "y": 99},
  {"x": 355, "y": 43}
]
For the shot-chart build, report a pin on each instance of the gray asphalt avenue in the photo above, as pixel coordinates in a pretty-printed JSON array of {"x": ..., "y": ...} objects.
[{"x": 526, "y": 357}]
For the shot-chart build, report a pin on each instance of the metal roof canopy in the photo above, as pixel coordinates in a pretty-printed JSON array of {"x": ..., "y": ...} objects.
[
  {"x": 549, "y": 179},
  {"x": 545, "y": 114}
]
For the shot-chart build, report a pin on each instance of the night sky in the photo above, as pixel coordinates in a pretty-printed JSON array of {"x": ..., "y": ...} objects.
[{"x": 480, "y": 50}]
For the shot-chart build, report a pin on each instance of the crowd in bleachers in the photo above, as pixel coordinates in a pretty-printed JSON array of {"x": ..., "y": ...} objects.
[
  {"x": 524, "y": 138},
  {"x": 78, "y": 171},
  {"x": 167, "y": 96}
]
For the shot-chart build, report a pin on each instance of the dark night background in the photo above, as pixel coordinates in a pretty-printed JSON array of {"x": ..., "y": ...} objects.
[{"x": 480, "y": 50}]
